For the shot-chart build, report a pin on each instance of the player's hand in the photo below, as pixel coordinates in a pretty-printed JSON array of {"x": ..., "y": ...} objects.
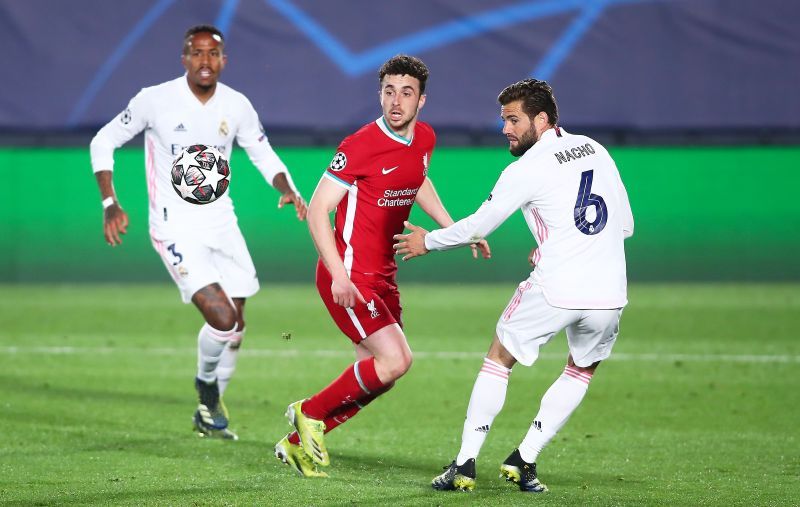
[
  {"x": 483, "y": 246},
  {"x": 412, "y": 244},
  {"x": 297, "y": 200},
  {"x": 115, "y": 224},
  {"x": 345, "y": 293},
  {"x": 531, "y": 256}
]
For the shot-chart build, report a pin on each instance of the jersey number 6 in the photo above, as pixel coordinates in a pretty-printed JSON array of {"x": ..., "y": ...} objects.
[{"x": 586, "y": 199}]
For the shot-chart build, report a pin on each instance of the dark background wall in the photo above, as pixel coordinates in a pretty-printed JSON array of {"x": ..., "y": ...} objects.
[{"x": 665, "y": 68}]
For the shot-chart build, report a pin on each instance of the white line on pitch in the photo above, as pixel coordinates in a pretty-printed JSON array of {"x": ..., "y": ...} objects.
[{"x": 619, "y": 356}]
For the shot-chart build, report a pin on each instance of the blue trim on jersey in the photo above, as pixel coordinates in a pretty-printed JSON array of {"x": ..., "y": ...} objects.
[
  {"x": 394, "y": 134},
  {"x": 337, "y": 179}
]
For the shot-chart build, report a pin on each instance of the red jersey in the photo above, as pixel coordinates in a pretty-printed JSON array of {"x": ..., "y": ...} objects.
[{"x": 382, "y": 173}]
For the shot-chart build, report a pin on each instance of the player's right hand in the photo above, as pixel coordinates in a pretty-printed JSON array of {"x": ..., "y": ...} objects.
[
  {"x": 115, "y": 224},
  {"x": 346, "y": 294},
  {"x": 481, "y": 246},
  {"x": 412, "y": 244},
  {"x": 297, "y": 200}
]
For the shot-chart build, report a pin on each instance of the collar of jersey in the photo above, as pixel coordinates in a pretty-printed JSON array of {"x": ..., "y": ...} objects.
[
  {"x": 391, "y": 133},
  {"x": 191, "y": 94},
  {"x": 548, "y": 137},
  {"x": 550, "y": 134}
]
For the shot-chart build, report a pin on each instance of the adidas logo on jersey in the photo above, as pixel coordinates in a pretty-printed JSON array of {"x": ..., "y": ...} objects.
[{"x": 180, "y": 128}]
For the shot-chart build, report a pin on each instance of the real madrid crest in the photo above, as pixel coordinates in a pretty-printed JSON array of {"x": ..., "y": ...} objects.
[
  {"x": 425, "y": 164},
  {"x": 223, "y": 128}
]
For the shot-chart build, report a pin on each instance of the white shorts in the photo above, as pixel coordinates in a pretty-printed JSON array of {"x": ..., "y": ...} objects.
[
  {"x": 528, "y": 322},
  {"x": 197, "y": 260}
]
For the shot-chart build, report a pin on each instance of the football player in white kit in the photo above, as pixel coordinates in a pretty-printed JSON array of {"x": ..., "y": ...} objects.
[
  {"x": 201, "y": 245},
  {"x": 577, "y": 209}
]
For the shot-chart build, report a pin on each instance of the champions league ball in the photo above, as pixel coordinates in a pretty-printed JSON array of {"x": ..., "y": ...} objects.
[{"x": 200, "y": 174}]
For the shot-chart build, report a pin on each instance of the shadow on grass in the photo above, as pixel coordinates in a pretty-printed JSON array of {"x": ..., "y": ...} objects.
[{"x": 47, "y": 389}]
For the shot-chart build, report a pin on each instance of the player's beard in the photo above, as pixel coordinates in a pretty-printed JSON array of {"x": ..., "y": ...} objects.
[
  {"x": 207, "y": 87},
  {"x": 524, "y": 143},
  {"x": 404, "y": 126}
]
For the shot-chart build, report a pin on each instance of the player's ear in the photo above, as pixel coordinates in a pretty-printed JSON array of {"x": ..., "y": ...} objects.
[
  {"x": 421, "y": 101},
  {"x": 543, "y": 117},
  {"x": 224, "y": 61}
]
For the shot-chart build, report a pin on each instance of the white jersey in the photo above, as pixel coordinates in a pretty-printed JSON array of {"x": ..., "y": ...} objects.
[
  {"x": 173, "y": 119},
  {"x": 577, "y": 209}
]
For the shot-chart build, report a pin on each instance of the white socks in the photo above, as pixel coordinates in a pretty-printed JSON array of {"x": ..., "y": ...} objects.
[
  {"x": 558, "y": 404},
  {"x": 486, "y": 401},
  {"x": 210, "y": 344},
  {"x": 227, "y": 362}
]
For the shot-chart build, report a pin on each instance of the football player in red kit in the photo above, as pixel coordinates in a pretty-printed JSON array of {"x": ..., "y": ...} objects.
[{"x": 373, "y": 180}]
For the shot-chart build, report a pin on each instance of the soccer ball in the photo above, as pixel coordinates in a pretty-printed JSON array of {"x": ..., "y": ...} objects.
[{"x": 200, "y": 174}]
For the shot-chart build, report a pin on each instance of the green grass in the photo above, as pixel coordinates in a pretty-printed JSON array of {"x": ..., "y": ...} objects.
[{"x": 697, "y": 406}]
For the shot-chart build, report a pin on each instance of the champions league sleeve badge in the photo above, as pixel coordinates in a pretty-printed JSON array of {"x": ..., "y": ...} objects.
[
  {"x": 125, "y": 116},
  {"x": 339, "y": 161}
]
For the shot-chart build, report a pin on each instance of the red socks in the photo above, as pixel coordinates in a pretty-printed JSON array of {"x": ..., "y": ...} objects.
[
  {"x": 355, "y": 388},
  {"x": 357, "y": 381},
  {"x": 345, "y": 412}
]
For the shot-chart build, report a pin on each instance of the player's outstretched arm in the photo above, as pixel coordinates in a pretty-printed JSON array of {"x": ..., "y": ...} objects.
[
  {"x": 412, "y": 244},
  {"x": 428, "y": 199},
  {"x": 289, "y": 196},
  {"x": 325, "y": 199},
  {"x": 115, "y": 219}
]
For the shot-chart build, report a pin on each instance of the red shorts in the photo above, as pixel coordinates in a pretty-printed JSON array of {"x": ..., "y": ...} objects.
[{"x": 382, "y": 309}]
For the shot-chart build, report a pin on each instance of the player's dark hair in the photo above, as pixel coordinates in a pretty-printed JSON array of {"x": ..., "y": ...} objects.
[
  {"x": 191, "y": 32},
  {"x": 536, "y": 96},
  {"x": 404, "y": 64}
]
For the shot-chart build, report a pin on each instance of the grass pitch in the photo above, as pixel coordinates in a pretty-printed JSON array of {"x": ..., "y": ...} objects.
[{"x": 698, "y": 405}]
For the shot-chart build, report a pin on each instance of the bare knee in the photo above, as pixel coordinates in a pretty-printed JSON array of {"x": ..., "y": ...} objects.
[
  {"x": 217, "y": 309},
  {"x": 394, "y": 366},
  {"x": 404, "y": 363},
  {"x": 221, "y": 318}
]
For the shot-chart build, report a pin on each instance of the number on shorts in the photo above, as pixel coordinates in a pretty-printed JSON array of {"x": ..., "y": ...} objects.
[
  {"x": 585, "y": 199},
  {"x": 178, "y": 256}
]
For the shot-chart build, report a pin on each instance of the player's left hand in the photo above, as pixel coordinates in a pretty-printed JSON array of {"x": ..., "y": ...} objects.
[
  {"x": 297, "y": 200},
  {"x": 483, "y": 247},
  {"x": 411, "y": 244}
]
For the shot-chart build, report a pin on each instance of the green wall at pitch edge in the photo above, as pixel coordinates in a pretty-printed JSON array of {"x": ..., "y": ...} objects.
[{"x": 701, "y": 214}]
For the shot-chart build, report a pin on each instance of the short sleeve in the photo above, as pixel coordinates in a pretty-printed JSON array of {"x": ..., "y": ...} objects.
[{"x": 349, "y": 163}]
